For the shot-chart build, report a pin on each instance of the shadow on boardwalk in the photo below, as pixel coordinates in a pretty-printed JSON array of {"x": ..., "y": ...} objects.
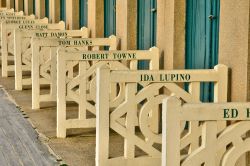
[{"x": 19, "y": 144}]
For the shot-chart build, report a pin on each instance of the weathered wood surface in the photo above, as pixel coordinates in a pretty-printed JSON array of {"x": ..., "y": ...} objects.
[
  {"x": 137, "y": 108},
  {"x": 233, "y": 139},
  {"x": 81, "y": 87},
  {"x": 19, "y": 144}
]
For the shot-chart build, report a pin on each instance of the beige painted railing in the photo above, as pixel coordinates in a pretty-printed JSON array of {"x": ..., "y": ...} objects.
[
  {"x": 137, "y": 107},
  {"x": 44, "y": 66},
  {"x": 23, "y": 49},
  {"x": 234, "y": 136},
  {"x": 35, "y": 25},
  {"x": 12, "y": 16},
  {"x": 7, "y": 38},
  {"x": 81, "y": 87}
]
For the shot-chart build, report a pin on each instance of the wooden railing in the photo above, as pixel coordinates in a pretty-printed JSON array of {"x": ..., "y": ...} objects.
[
  {"x": 10, "y": 44},
  {"x": 81, "y": 87},
  {"x": 23, "y": 48},
  {"x": 44, "y": 62},
  {"x": 7, "y": 37},
  {"x": 136, "y": 109},
  {"x": 233, "y": 139}
]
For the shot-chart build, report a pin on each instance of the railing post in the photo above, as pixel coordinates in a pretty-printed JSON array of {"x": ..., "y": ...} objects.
[
  {"x": 35, "y": 75},
  {"x": 18, "y": 60},
  {"x": 102, "y": 115},
  {"x": 171, "y": 132},
  {"x": 61, "y": 96}
]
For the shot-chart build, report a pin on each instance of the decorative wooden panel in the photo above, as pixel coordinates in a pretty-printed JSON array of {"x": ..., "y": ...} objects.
[
  {"x": 9, "y": 15},
  {"x": 44, "y": 66},
  {"x": 137, "y": 108},
  {"x": 212, "y": 141},
  {"x": 81, "y": 87},
  {"x": 23, "y": 49},
  {"x": 7, "y": 38}
]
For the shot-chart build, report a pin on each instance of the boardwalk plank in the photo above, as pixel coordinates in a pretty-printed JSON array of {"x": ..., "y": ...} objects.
[
  {"x": 8, "y": 151},
  {"x": 19, "y": 142},
  {"x": 2, "y": 158}
]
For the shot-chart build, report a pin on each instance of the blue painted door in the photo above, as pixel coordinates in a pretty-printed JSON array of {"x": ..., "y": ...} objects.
[
  {"x": 146, "y": 32},
  {"x": 63, "y": 10},
  {"x": 83, "y": 13},
  {"x": 47, "y": 8},
  {"x": 109, "y": 17},
  {"x": 202, "y": 35}
]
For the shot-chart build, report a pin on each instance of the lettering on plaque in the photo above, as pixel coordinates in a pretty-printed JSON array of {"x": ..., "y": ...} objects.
[
  {"x": 166, "y": 77},
  {"x": 95, "y": 56},
  {"x": 32, "y": 26},
  {"x": 230, "y": 113},
  {"x": 17, "y": 21},
  {"x": 233, "y": 113},
  {"x": 12, "y": 17},
  {"x": 114, "y": 56}
]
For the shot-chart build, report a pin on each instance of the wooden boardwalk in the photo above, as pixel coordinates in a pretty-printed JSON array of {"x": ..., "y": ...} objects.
[{"x": 19, "y": 144}]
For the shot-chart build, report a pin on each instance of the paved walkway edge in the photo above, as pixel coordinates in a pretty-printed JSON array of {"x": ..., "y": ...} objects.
[{"x": 41, "y": 137}]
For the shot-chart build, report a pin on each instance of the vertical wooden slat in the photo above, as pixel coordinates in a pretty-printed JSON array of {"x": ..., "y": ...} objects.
[
  {"x": 154, "y": 65},
  {"x": 102, "y": 116},
  {"x": 53, "y": 72},
  {"x": 82, "y": 91},
  {"x": 61, "y": 97},
  {"x": 35, "y": 61},
  {"x": 17, "y": 58},
  {"x": 220, "y": 95},
  {"x": 171, "y": 132},
  {"x": 4, "y": 51},
  {"x": 129, "y": 146},
  {"x": 194, "y": 89}
]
